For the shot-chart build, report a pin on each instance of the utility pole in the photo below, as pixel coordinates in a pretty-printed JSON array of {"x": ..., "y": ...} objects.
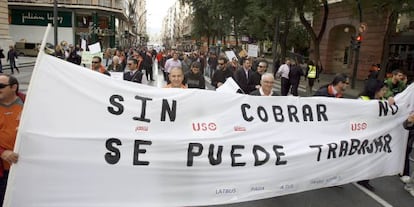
[
  {"x": 55, "y": 21},
  {"x": 356, "y": 44}
]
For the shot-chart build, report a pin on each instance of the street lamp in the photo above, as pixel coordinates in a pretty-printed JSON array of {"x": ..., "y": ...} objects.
[{"x": 55, "y": 21}]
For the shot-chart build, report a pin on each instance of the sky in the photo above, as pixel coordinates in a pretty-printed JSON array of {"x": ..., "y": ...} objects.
[{"x": 156, "y": 11}]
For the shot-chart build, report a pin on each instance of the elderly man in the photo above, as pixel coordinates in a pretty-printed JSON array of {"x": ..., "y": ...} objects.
[
  {"x": 115, "y": 65},
  {"x": 11, "y": 107},
  {"x": 176, "y": 77},
  {"x": 266, "y": 86}
]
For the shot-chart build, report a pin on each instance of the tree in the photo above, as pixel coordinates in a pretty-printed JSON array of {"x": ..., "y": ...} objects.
[
  {"x": 313, "y": 6},
  {"x": 264, "y": 22}
]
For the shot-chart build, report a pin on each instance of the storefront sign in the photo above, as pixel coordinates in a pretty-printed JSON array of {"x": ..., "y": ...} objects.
[{"x": 39, "y": 18}]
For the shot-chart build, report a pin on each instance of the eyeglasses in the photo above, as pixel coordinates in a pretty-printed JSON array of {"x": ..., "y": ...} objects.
[
  {"x": 129, "y": 64},
  {"x": 94, "y": 62},
  {"x": 262, "y": 66},
  {"x": 4, "y": 85},
  {"x": 221, "y": 63}
]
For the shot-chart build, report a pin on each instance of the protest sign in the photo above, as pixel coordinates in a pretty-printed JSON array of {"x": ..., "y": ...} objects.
[{"x": 88, "y": 140}]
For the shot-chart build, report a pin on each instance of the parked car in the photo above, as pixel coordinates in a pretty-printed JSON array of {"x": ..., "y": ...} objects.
[
  {"x": 32, "y": 49},
  {"x": 27, "y": 49}
]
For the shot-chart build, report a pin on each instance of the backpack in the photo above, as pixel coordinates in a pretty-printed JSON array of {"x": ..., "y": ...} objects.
[{"x": 1, "y": 54}]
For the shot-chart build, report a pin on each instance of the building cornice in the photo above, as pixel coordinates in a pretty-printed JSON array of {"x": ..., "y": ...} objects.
[{"x": 65, "y": 6}]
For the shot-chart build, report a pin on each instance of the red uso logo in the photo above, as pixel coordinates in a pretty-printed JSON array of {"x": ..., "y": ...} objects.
[
  {"x": 141, "y": 128},
  {"x": 359, "y": 126},
  {"x": 204, "y": 126}
]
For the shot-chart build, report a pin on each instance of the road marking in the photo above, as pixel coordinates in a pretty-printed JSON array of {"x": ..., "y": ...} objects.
[{"x": 373, "y": 195}]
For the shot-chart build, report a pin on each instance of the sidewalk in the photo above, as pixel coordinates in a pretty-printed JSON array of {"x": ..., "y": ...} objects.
[
  {"x": 21, "y": 61},
  {"x": 327, "y": 79}
]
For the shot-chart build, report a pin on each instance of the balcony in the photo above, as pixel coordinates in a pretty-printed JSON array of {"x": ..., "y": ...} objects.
[{"x": 109, "y": 4}]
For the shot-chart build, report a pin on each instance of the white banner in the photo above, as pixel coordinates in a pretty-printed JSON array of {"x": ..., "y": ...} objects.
[{"x": 88, "y": 140}]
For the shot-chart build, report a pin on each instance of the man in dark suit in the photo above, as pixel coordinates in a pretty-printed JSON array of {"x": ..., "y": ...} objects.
[
  {"x": 133, "y": 74},
  {"x": 244, "y": 77}
]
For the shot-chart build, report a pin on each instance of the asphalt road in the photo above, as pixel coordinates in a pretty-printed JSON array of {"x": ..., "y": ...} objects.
[{"x": 388, "y": 190}]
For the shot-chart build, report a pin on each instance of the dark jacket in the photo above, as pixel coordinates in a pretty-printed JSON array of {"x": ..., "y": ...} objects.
[
  {"x": 244, "y": 82},
  {"x": 117, "y": 68},
  {"x": 194, "y": 80},
  {"x": 256, "y": 77},
  {"x": 136, "y": 77},
  {"x": 295, "y": 73},
  {"x": 221, "y": 76},
  {"x": 257, "y": 93},
  {"x": 324, "y": 91},
  {"x": 409, "y": 127}
]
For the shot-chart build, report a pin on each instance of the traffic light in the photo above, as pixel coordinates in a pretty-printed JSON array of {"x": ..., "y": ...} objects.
[{"x": 356, "y": 41}]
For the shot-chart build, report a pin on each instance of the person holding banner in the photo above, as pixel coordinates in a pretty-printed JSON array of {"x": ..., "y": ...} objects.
[
  {"x": 98, "y": 67},
  {"x": 223, "y": 72},
  {"x": 266, "y": 86},
  {"x": 409, "y": 181},
  {"x": 374, "y": 90},
  {"x": 11, "y": 107},
  {"x": 336, "y": 89},
  {"x": 176, "y": 77}
]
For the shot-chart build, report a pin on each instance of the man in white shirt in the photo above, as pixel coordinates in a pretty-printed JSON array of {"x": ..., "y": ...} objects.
[
  {"x": 171, "y": 63},
  {"x": 283, "y": 72}
]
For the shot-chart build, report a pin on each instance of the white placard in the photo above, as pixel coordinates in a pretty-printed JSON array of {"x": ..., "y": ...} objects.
[
  {"x": 252, "y": 50},
  {"x": 230, "y": 54},
  {"x": 95, "y": 48}
]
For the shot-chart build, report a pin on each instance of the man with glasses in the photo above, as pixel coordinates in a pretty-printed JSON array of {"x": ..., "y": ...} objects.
[
  {"x": 98, "y": 67},
  {"x": 11, "y": 107},
  {"x": 134, "y": 74},
  {"x": 336, "y": 89},
  {"x": 223, "y": 72},
  {"x": 260, "y": 70}
]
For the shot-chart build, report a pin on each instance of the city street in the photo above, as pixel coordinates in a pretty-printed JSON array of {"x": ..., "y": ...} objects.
[{"x": 388, "y": 190}]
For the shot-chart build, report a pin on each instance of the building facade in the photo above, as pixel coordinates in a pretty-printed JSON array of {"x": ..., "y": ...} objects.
[
  {"x": 101, "y": 21},
  {"x": 337, "y": 53}
]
